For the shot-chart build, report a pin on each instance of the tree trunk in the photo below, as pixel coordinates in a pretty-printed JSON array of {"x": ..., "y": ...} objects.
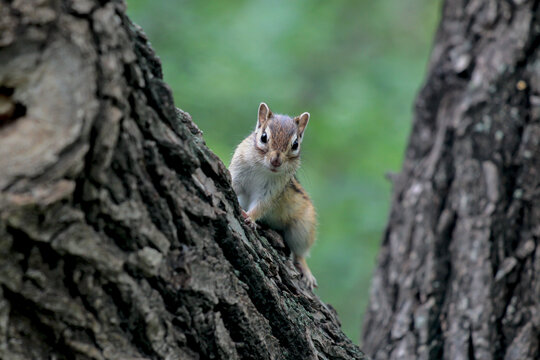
[
  {"x": 458, "y": 273},
  {"x": 120, "y": 236}
]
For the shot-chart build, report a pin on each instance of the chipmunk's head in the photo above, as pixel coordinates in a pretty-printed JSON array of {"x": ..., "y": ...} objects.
[{"x": 278, "y": 139}]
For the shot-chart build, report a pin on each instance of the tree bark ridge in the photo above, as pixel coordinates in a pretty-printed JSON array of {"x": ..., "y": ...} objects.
[{"x": 120, "y": 235}]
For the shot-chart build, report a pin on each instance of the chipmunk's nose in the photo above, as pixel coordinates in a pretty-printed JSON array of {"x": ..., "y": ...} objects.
[{"x": 276, "y": 160}]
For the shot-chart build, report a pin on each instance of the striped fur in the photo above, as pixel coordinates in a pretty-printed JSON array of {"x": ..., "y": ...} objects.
[{"x": 273, "y": 195}]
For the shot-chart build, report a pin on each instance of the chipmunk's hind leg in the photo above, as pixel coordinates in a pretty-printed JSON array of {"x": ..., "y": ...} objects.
[
  {"x": 299, "y": 237},
  {"x": 306, "y": 272}
]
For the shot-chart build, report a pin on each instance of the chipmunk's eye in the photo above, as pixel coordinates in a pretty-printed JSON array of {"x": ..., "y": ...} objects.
[
  {"x": 294, "y": 145},
  {"x": 264, "y": 138}
]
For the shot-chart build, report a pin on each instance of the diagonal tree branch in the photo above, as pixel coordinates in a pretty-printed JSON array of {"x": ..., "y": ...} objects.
[{"x": 120, "y": 236}]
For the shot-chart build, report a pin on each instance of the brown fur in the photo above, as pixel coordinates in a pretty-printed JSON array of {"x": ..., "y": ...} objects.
[{"x": 282, "y": 128}]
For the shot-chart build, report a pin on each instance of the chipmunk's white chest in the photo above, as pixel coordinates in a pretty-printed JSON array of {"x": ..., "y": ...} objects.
[
  {"x": 255, "y": 187},
  {"x": 257, "y": 184}
]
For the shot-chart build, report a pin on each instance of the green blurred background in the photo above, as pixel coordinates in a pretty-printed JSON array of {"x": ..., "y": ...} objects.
[{"x": 354, "y": 65}]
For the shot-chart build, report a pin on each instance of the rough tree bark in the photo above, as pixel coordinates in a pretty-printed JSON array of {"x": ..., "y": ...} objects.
[
  {"x": 458, "y": 273},
  {"x": 120, "y": 236}
]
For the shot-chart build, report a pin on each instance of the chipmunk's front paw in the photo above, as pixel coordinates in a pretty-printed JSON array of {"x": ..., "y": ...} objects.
[
  {"x": 249, "y": 221},
  {"x": 244, "y": 214}
]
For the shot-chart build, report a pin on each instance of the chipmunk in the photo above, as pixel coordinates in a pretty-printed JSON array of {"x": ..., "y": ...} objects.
[{"x": 263, "y": 171}]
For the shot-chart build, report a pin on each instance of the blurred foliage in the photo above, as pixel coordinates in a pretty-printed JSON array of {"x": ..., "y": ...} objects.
[{"x": 354, "y": 65}]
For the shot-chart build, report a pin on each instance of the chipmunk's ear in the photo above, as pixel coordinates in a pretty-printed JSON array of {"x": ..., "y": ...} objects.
[
  {"x": 264, "y": 115},
  {"x": 301, "y": 121}
]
